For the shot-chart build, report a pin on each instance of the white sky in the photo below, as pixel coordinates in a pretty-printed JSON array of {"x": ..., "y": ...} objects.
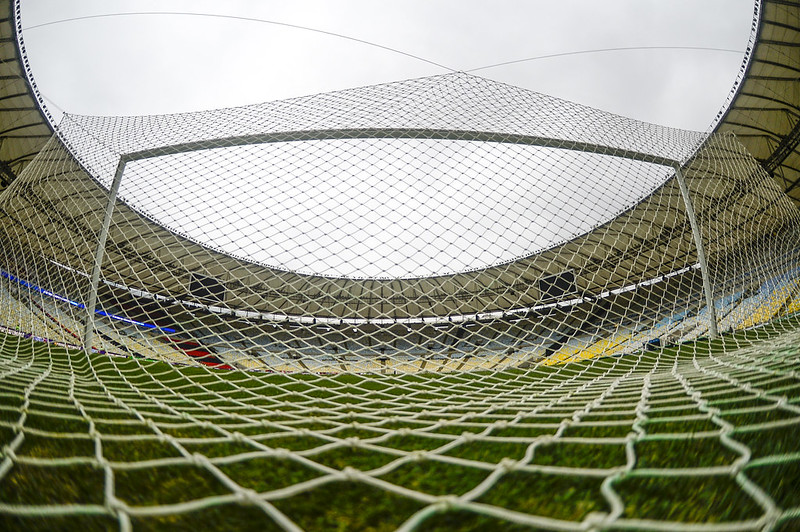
[
  {"x": 154, "y": 64},
  {"x": 150, "y": 64}
]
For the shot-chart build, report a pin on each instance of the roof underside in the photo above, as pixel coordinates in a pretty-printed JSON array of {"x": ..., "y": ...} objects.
[
  {"x": 765, "y": 112},
  {"x": 24, "y": 129}
]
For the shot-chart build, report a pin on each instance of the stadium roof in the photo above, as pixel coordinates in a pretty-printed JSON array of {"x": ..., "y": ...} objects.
[
  {"x": 763, "y": 113},
  {"x": 24, "y": 125}
]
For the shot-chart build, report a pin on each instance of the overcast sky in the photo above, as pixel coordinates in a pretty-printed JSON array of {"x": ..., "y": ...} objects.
[
  {"x": 256, "y": 51},
  {"x": 148, "y": 64}
]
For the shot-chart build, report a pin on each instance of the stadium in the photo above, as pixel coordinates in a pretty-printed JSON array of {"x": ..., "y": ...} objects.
[{"x": 445, "y": 303}]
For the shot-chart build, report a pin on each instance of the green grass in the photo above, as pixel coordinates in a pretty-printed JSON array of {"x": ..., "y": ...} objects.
[
  {"x": 686, "y": 499},
  {"x": 55, "y": 485},
  {"x": 554, "y": 496},
  {"x": 345, "y": 506},
  {"x": 238, "y": 422},
  {"x": 84, "y": 523}
]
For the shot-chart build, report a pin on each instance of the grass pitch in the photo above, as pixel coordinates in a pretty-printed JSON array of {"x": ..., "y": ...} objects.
[{"x": 699, "y": 434}]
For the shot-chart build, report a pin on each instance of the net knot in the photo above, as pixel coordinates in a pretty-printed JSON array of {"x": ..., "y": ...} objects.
[
  {"x": 351, "y": 473},
  {"x": 508, "y": 464},
  {"x": 115, "y": 505},
  {"x": 247, "y": 496},
  {"x": 447, "y": 502},
  {"x": 595, "y": 519},
  {"x": 418, "y": 455},
  {"x": 200, "y": 460},
  {"x": 281, "y": 453}
]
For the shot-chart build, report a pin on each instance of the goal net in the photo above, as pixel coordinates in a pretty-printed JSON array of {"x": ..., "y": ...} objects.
[{"x": 438, "y": 303}]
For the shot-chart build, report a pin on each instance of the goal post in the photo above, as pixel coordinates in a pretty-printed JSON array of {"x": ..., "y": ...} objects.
[
  {"x": 701, "y": 254},
  {"x": 397, "y": 133}
]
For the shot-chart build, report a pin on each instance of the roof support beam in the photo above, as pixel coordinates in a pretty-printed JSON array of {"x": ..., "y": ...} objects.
[
  {"x": 787, "y": 145},
  {"x": 7, "y": 175}
]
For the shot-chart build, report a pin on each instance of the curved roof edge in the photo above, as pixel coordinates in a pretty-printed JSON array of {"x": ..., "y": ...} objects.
[
  {"x": 764, "y": 109},
  {"x": 25, "y": 124}
]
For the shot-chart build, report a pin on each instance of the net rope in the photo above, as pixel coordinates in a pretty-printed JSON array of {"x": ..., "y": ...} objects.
[{"x": 443, "y": 303}]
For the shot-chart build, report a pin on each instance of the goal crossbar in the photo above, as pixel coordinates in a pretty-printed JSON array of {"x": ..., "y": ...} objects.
[{"x": 390, "y": 133}]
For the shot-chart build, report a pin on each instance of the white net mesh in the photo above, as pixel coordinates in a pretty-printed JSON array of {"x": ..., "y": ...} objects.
[{"x": 441, "y": 303}]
